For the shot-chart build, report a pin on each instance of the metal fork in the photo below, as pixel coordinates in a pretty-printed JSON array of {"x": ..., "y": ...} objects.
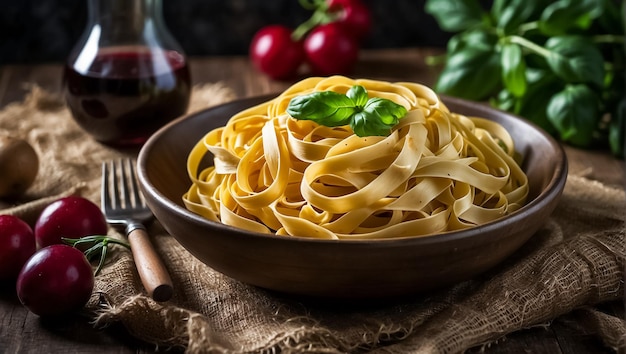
[{"x": 124, "y": 205}]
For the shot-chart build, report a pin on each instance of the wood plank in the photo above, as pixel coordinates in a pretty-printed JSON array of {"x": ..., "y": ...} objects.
[
  {"x": 237, "y": 74},
  {"x": 393, "y": 65},
  {"x": 49, "y": 77},
  {"x": 23, "y": 332},
  {"x": 13, "y": 79},
  {"x": 575, "y": 339},
  {"x": 17, "y": 80},
  {"x": 596, "y": 164}
]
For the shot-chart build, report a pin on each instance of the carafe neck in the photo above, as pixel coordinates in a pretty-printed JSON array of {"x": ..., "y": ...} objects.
[{"x": 129, "y": 22}]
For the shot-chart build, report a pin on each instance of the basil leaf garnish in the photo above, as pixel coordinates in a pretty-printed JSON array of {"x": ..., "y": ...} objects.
[
  {"x": 324, "y": 107},
  {"x": 366, "y": 116}
]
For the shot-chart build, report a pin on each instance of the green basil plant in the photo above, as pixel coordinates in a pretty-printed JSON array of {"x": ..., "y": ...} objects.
[{"x": 558, "y": 63}]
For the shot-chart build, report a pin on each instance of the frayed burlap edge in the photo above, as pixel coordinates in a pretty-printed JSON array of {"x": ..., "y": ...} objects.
[{"x": 192, "y": 328}]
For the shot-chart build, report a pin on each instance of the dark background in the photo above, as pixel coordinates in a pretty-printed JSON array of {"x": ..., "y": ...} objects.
[{"x": 35, "y": 31}]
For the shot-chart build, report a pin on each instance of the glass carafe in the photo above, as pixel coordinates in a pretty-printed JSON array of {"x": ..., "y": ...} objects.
[{"x": 127, "y": 76}]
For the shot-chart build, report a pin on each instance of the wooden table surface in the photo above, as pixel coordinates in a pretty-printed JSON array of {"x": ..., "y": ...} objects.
[{"x": 23, "y": 332}]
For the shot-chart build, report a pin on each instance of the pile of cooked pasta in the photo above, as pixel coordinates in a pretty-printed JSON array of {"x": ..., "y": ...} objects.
[{"x": 437, "y": 171}]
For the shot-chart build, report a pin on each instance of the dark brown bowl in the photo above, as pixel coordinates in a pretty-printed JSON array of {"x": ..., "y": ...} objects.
[{"x": 358, "y": 269}]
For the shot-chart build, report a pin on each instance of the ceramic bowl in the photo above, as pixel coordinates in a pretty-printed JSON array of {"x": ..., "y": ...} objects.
[{"x": 359, "y": 269}]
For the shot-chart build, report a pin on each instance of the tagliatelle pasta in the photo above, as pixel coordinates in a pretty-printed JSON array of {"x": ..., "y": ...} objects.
[{"x": 437, "y": 171}]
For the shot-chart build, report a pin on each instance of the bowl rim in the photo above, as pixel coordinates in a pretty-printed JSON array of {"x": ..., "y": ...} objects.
[{"x": 551, "y": 191}]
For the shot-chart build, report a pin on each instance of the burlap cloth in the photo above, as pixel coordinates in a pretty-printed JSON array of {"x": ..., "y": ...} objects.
[{"x": 573, "y": 264}]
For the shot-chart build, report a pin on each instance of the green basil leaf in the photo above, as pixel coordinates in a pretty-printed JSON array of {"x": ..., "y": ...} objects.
[
  {"x": 455, "y": 15},
  {"x": 542, "y": 85},
  {"x": 325, "y": 107},
  {"x": 513, "y": 69},
  {"x": 575, "y": 114},
  {"x": 509, "y": 14},
  {"x": 387, "y": 111},
  {"x": 367, "y": 124},
  {"x": 358, "y": 95},
  {"x": 505, "y": 101},
  {"x": 611, "y": 20},
  {"x": 575, "y": 59},
  {"x": 617, "y": 129},
  {"x": 472, "y": 73},
  {"x": 377, "y": 117},
  {"x": 479, "y": 37},
  {"x": 561, "y": 16}
]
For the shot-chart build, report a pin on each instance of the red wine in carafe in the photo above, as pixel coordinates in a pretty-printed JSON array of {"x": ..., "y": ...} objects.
[{"x": 125, "y": 94}]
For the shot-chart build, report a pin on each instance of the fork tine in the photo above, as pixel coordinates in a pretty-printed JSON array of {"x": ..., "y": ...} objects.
[
  {"x": 105, "y": 196},
  {"x": 120, "y": 187},
  {"x": 116, "y": 197},
  {"x": 123, "y": 190},
  {"x": 137, "y": 196}
]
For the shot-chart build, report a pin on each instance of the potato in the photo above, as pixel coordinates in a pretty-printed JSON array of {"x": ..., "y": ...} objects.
[{"x": 19, "y": 165}]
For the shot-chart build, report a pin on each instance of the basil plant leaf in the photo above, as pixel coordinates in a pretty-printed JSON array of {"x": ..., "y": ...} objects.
[
  {"x": 455, "y": 15},
  {"x": 472, "y": 73},
  {"x": 542, "y": 85},
  {"x": 610, "y": 21},
  {"x": 576, "y": 60},
  {"x": 504, "y": 100},
  {"x": 513, "y": 69},
  {"x": 478, "y": 38},
  {"x": 327, "y": 108},
  {"x": 561, "y": 16},
  {"x": 575, "y": 113},
  {"x": 508, "y": 15}
]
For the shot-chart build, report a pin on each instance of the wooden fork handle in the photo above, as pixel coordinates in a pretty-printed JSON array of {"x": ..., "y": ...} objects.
[{"x": 154, "y": 276}]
